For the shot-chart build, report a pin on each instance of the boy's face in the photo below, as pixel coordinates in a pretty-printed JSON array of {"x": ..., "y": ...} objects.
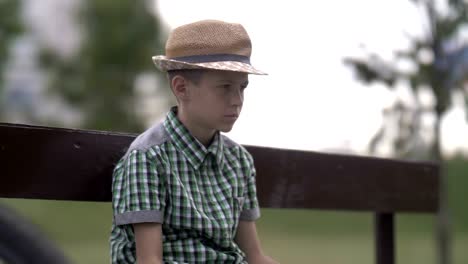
[{"x": 215, "y": 101}]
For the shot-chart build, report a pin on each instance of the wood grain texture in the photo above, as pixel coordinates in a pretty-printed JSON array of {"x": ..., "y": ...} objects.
[{"x": 69, "y": 164}]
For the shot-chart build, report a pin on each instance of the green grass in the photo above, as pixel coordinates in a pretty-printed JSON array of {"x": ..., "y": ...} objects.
[
  {"x": 82, "y": 229},
  {"x": 457, "y": 170},
  {"x": 290, "y": 236}
]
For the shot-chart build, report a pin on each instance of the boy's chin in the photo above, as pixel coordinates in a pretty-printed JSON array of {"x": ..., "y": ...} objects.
[{"x": 225, "y": 129}]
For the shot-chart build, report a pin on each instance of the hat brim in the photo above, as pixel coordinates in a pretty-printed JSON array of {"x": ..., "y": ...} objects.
[{"x": 165, "y": 64}]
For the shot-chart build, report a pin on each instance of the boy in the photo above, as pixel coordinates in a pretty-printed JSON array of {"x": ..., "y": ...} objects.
[{"x": 184, "y": 193}]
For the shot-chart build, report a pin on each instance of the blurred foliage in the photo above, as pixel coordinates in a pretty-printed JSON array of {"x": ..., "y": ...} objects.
[
  {"x": 10, "y": 27},
  {"x": 119, "y": 39},
  {"x": 436, "y": 62}
]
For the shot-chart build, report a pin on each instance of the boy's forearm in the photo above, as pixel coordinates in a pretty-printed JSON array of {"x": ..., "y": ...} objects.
[
  {"x": 248, "y": 241},
  {"x": 150, "y": 261}
]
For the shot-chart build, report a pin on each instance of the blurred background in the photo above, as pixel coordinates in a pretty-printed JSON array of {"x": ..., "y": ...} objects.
[{"x": 366, "y": 77}]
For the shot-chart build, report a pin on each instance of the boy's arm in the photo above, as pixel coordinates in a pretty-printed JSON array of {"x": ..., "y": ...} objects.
[
  {"x": 247, "y": 239},
  {"x": 148, "y": 239}
]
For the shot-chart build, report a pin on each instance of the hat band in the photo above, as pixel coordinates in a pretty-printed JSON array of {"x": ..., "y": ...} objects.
[{"x": 213, "y": 58}]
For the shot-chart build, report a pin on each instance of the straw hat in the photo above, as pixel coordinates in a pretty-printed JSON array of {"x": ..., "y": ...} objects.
[{"x": 208, "y": 44}]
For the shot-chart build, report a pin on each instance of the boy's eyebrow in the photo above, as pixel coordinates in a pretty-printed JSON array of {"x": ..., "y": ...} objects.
[
  {"x": 225, "y": 80},
  {"x": 231, "y": 81}
]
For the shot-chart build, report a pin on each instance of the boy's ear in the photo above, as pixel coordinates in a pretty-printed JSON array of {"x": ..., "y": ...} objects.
[{"x": 180, "y": 87}]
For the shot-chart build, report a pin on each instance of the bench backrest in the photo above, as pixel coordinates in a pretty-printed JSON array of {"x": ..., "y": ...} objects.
[{"x": 68, "y": 164}]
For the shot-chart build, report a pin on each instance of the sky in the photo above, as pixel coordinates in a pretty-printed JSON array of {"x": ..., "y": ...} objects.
[{"x": 310, "y": 100}]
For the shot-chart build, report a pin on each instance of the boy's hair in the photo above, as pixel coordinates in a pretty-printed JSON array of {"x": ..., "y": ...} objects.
[{"x": 193, "y": 75}]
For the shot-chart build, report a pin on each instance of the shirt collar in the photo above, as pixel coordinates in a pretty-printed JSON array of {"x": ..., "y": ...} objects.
[
  {"x": 193, "y": 150},
  {"x": 216, "y": 148}
]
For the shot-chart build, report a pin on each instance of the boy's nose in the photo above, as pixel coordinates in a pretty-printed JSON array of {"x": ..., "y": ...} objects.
[{"x": 237, "y": 97}]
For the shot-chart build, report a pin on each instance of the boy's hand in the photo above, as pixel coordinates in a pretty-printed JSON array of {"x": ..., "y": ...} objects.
[{"x": 261, "y": 259}]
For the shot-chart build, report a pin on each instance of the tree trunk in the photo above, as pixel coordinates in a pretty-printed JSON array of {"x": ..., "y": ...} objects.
[{"x": 443, "y": 217}]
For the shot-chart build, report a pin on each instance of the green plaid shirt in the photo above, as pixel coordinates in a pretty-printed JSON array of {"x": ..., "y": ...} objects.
[{"x": 197, "y": 193}]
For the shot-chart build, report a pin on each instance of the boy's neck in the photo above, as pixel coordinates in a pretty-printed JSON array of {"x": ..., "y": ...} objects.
[{"x": 204, "y": 136}]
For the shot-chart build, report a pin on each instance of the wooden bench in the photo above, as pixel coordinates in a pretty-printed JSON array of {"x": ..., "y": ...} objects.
[{"x": 68, "y": 164}]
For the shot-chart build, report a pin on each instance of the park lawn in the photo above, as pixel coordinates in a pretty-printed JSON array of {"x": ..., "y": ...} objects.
[{"x": 82, "y": 229}]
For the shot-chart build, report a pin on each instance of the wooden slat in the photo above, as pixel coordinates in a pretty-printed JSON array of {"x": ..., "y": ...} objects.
[
  {"x": 66, "y": 164},
  {"x": 302, "y": 179},
  {"x": 61, "y": 164}
]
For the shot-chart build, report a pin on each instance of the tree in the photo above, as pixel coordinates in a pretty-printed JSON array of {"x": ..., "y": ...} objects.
[
  {"x": 443, "y": 74},
  {"x": 119, "y": 39},
  {"x": 10, "y": 27},
  {"x": 441, "y": 63}
]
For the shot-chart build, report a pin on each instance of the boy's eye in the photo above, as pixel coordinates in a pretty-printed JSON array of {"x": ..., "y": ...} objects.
[
  {"x": 228, "y": 86},
  {"x": 225, "y": 86}
]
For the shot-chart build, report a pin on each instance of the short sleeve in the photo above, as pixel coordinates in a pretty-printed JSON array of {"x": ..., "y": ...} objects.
[
  {"x": 251, "y": 208},
  {"x": 138, "y": 193}
]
